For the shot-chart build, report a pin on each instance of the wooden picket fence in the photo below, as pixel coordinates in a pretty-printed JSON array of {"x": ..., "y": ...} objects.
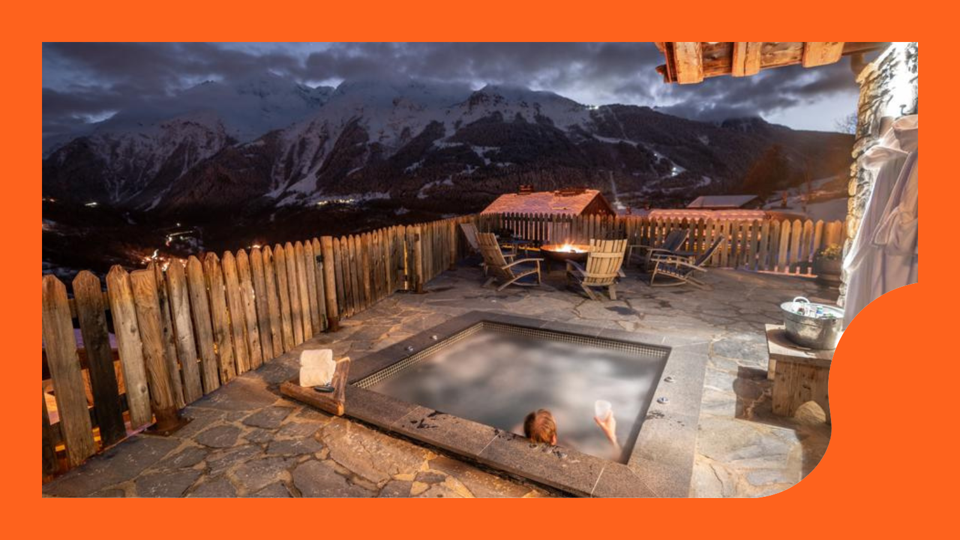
[
  {"x": 786, "y": 247},
  {"x": 158, "y": 339}
]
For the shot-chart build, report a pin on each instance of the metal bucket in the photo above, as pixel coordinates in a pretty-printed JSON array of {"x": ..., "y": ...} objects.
[{"x": 821, "y": 333}]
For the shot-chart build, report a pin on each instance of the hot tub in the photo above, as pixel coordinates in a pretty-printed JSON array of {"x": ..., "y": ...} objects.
[
  {"x": 465, "y": 386},
  {"x": 495, "y": 374}
]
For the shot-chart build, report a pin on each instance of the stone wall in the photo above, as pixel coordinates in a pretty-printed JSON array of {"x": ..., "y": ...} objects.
[{"x": 888, "y": 90}]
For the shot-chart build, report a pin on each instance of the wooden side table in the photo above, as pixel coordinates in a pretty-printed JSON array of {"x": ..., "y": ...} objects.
[{"x": 799, "y": 375}]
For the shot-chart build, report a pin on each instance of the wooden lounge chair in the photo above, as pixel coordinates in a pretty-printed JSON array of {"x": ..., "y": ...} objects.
[
  {"x": 603, "y": 267},
  {"x": 500, "y": 269},
  {"x": 470, "y": 232},
  {"x": 680, "y": 269},
  {"x": 671, "y": 245}
]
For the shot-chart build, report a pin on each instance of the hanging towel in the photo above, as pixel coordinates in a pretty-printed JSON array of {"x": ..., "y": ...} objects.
[
  {"x": 898, "y": 233},
  {"x": 871, "y": 269}
]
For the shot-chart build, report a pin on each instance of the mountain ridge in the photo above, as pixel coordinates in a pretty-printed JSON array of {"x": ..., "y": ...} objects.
[{"x": 410, "y": 141}]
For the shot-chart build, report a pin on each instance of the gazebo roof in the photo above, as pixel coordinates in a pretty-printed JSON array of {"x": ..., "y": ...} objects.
[{"x": 689, "y": 62}]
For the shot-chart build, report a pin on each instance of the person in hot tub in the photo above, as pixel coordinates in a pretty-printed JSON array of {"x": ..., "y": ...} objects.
[{"x": 540, "y": 427}]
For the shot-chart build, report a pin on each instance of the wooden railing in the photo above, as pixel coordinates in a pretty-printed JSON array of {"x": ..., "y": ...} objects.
[
  {"x": 787, "y": 247},
  {"x": 182, "y": 331}
]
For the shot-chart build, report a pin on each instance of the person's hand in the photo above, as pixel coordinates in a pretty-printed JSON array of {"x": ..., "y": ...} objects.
[{"x": 609, "y": 426}]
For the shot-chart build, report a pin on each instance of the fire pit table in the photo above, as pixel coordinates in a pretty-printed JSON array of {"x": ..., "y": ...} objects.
[{"x": 561, "y": 253}]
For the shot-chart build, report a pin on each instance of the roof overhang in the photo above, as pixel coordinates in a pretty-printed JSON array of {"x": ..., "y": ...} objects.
[{"x": 690, "y": 62}]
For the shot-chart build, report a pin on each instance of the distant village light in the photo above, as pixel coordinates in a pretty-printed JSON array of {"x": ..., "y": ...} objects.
[{"x": 350, "y": 200}]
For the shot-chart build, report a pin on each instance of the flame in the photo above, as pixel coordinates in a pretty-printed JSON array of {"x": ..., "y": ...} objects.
[{"x": 567, "y": 247}]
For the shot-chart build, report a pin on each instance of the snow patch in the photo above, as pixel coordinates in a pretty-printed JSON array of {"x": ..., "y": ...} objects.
[
  {"x": 481, "y": 152},
  {"x": 424, "y": 191},
  {"x": 611, "y": 140}
]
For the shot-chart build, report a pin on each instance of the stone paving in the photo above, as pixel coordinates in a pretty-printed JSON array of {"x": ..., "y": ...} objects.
[{"x": 245, "y": 440}]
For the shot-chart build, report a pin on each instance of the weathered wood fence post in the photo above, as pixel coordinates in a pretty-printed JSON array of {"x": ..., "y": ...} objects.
[
  {"x": 64, "y": 363},
  {"x": 147, "y": 303},
  {"x": 91, "y": 312},
  {"x": 330, "y": 282},
  {"x": 124, "y": 315},
  {"x": 50, "y": 464},
  {"x": 453, "y": 242},
  {"x": 418, "y": 258}
]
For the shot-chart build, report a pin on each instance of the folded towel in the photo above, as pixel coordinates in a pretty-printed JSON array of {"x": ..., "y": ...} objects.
[{"x": 316, "y": 368}]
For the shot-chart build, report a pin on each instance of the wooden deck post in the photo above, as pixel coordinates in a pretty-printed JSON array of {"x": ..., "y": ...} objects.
[{"x": 330, "y": 283}]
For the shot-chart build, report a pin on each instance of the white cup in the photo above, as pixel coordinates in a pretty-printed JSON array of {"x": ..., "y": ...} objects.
[{"x": 602, "y": 409}]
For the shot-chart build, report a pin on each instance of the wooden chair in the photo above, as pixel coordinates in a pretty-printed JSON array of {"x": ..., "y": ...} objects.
[
  {"x": 496, "y": 264},
  {"x": 470, "y": 232},
  {"x": 680, "y": 269},
  {"x": 671, "y": 245},
  {"x": 603, "y": 267}
]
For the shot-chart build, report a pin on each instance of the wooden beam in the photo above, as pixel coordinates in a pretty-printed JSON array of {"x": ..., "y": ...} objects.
[
  {"x": 746, "y": 58},
  {"x": 738, "y": 58},
  {"x": 688, "y": 58},
  {"x": 821, "y": 53}
]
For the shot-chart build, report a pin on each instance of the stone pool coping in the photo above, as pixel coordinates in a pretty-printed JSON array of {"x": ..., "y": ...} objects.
[{"x": 660, "y": 465}]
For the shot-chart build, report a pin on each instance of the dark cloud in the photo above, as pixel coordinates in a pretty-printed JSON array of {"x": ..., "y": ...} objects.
[
  {"x": 786, "y": 91},
  {"x": 164, "y": 66},
  {"x": 85, "y": 81}
]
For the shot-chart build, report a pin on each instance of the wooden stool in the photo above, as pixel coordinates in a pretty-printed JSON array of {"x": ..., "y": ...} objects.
[{"x": 799, "y": 375}]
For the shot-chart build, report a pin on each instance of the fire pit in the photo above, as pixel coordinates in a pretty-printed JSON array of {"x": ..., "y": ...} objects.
[{"x": 561, "y": 253}]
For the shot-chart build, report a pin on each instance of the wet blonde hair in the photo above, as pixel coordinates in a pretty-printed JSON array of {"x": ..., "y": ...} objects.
[{"x": 540, "y": 427}]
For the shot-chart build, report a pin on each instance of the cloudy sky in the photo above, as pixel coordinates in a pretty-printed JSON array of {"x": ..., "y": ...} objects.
[{"x": 88, "y": 82}]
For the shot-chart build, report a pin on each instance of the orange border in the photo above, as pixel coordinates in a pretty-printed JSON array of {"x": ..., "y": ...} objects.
[{"x": 887, "y": 471}]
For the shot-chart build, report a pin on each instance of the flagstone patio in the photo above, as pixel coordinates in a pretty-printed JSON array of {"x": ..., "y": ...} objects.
[{"x": 247, "y": 440}]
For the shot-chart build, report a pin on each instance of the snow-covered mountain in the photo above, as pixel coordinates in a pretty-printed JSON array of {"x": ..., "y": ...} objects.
[{"x": 269, "y": 142}]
